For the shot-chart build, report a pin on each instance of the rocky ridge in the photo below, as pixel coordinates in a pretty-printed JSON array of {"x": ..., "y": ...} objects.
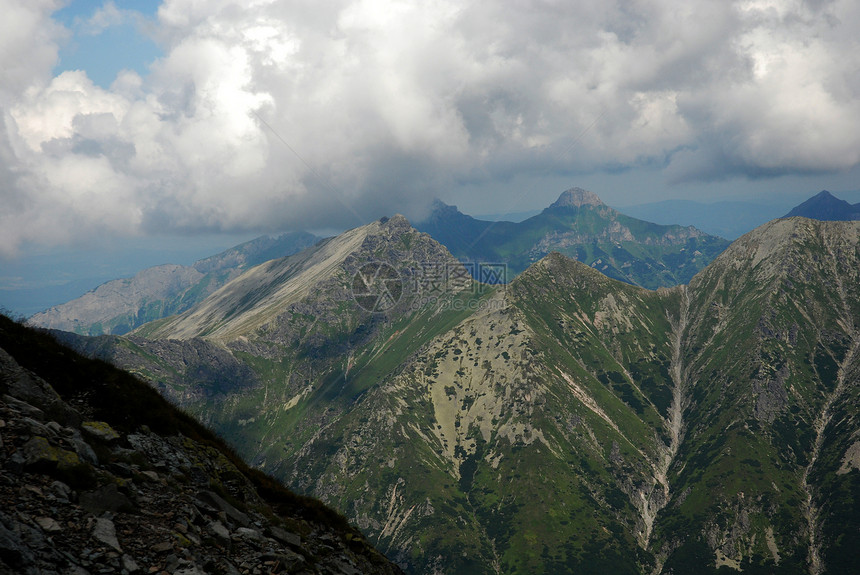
[
  {"x": 576, "y": 198},
  {"x": 83, "y": 495}
]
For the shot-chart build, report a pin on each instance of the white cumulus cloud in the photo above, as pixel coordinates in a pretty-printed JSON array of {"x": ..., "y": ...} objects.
[{"x": 271, "y": 114}]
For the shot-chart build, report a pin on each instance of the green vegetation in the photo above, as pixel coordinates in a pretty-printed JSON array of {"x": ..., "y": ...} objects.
[
  {"x": 566, "y": 422},
  {"x": 621, "y": 247}
]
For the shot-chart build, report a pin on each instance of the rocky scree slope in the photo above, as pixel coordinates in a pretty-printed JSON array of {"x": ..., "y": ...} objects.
[
  {"x": 565, "y": 423},
  {"x": 98, "y": 474}
]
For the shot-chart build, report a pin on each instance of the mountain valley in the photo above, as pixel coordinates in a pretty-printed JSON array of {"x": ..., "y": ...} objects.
[{"x": 564, "y": 422}]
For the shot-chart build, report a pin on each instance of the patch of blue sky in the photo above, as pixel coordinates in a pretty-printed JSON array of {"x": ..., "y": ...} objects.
[{"x": 108, "y": 37}]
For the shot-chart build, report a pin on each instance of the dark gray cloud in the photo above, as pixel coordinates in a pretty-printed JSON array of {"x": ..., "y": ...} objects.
[{"x": 272, "y": 115}]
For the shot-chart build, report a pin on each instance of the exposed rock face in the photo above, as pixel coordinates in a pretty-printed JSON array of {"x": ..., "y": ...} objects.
[
  {"x": 576, "y": 198},
  {"x": 87, "y": 496}
]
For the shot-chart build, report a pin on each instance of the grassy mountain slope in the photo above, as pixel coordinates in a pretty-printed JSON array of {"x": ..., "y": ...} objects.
[
  {"x": 770, "y": 356},
  {"x": 287, "y": 341},
  {"x": 564, "y": 423}
]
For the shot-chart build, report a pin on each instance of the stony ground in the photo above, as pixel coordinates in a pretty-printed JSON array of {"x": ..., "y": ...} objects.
[{"x": 79, "y": 497}]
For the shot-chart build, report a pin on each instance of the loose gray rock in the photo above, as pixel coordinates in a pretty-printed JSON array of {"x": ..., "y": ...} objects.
[
  {"x": 129, "y": 564},
  {"x": 105, "y": 532},
  {"x": 221, "y": 532},
  {"x": 214, "y": 500},
  {"x": 48, "y": 524}
]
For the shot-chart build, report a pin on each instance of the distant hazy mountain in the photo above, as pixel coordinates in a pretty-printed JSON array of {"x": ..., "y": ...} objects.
[
  {"x": 725, "y": 219},
  {"x": 580, "y": 226},
  {"x": 563, "y": 423},
  {"x": 507, "y": 216},
  {"x": 826, "y": 207},
  {"x": 121, "y": 305}
]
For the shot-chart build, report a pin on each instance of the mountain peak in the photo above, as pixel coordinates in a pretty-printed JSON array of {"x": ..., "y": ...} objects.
[
  {"x": 825, "y": 206},
  {"x": 262, "y": 293},
  {"x": 782, "y": 245},
  {"x": 576, "y": 198},
  {"x": 439, "y": 210},
  {"x": 396, "y": 222}
]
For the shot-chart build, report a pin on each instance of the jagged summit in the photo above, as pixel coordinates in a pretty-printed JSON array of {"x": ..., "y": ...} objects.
[
  {"x": 826, "y": 207},
  {"x": 395, "y": 221},
  {"x": 442, "y": 213},
  {"x": 439, "y": 206},
  {"x": 576, "y": 198}
]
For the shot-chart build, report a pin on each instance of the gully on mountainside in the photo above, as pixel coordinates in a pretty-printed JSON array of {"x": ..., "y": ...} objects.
[{"x": 812, "y": 511}]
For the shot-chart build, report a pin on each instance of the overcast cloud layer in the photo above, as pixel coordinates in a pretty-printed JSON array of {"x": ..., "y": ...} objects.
[{"x": 271, "y": 115}]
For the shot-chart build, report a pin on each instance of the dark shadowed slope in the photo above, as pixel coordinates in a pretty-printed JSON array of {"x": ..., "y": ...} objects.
[{"x": 99, "y": 474}]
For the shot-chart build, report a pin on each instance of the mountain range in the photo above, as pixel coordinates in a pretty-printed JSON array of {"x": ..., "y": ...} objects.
[
  {"x": 577, "y": 224},
  {"x": 581, "y": 226},
  {"x": 121, "y": 305},
  {"x": 565, "y": 422}
]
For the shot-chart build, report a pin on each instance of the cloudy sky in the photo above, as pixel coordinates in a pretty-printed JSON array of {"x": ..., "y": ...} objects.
[{"x": 205, "y": 116}]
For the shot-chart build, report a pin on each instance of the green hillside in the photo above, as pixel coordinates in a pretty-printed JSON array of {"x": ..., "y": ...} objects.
[{"x": 563, "y": 423}]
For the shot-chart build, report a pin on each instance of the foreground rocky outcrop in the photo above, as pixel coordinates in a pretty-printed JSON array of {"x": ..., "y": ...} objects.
[{"x": 87, "y": 487}]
